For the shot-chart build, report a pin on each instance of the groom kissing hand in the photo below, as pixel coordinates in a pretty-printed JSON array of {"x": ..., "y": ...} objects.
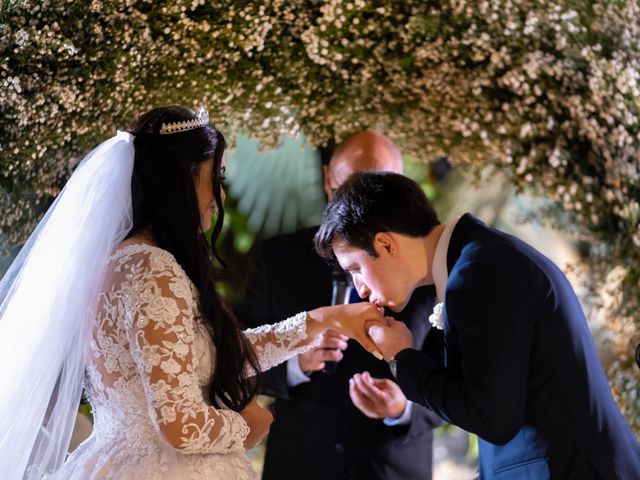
[
  {"x": 520, "y": 368},
  {"x": 339, "y": 414}
]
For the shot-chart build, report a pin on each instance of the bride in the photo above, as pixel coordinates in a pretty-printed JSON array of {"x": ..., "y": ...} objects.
[{"x": 116, "y": 285}]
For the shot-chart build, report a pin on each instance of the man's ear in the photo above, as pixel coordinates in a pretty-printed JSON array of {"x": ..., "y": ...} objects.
[
  {"x": 384, "y": 241},
  {"x": 325, "y": 182},
  {"x": 325, "y": 171}
]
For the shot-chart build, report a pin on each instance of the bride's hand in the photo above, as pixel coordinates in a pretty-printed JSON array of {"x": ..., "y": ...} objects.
[
  {"x": 259, "y": 420},
  {"x": 348, "y": 320}
]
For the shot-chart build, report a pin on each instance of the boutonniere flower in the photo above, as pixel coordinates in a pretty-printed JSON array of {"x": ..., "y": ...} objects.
[{"x": 436, "y": 318}]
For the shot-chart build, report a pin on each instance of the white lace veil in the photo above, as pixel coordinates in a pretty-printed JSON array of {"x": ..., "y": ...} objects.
[{"x": 47, "y": 303}]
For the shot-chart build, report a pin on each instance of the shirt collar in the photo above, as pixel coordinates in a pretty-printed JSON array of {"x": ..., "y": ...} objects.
[{"x": 439, "y": 270}]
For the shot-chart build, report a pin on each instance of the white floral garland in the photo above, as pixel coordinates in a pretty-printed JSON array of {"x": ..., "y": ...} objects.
[{"x": 437, "y": 318}]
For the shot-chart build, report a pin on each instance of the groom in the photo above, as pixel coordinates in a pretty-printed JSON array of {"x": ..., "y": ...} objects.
[{"x": 520, "y": 369}]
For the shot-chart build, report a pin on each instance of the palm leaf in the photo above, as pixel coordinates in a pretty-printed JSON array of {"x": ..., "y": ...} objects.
[{"x": 279, "y": 190}]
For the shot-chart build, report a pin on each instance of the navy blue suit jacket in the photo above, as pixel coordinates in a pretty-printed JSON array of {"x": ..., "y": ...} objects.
[
  {"x": 521, "y": 369},
  {"x": 317, "y": 433}
]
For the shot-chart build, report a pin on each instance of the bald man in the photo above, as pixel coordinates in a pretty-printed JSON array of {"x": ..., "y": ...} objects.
[
  {"x": 338, "y": 414},
  {"x": 361, "y": 152}
]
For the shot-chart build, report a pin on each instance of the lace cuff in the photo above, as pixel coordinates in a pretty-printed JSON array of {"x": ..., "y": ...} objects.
[{"x": 280, "y": 341}]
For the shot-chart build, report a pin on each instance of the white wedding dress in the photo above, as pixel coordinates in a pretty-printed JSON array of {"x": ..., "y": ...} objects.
[{"x": 150, "y": 359}]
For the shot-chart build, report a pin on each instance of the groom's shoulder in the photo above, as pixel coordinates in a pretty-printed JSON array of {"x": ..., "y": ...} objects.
[
  {"x": 492, "y": 249},
  {"x": 481, "y": 242},
  {"x": 485, "y": 269}
]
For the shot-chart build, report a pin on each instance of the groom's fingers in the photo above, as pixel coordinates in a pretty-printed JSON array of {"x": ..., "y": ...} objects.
[
  {"x": 364, "y": 396},
  {"x": 367, "y": 388},
  {"x": 364, "y": 340},
  {"x": 376, "y": 332},
  {"x": 361, "y": 402},
  {"x": 383, "y": 322},
  {"x": 368, "y": 314},
  {"x": 377, "y": 326},
  {"x": 377, "y": 393}
]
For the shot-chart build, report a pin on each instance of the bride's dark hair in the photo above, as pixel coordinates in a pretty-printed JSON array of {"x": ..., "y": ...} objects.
[{"x": 165, "y": 204}]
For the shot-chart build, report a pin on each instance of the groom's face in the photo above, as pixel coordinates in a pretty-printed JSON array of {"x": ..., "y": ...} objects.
[{"x": 380, "y": 278}]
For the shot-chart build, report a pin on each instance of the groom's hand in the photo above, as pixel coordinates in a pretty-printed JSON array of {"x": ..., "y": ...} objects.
[
  {"x": 390, "y": 336},
  {"x": 376, "y": 397}
]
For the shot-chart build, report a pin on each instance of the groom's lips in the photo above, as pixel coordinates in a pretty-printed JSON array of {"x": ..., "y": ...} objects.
[{"x": 378, "y": 303}]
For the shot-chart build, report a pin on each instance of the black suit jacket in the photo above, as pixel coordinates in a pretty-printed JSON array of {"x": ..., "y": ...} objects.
[
  {"x": 521, "y": 368},
  {"x": 317, "y": 433}
]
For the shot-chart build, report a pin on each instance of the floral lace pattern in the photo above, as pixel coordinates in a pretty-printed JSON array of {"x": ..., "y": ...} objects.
[{"x": 149, "y": 362}]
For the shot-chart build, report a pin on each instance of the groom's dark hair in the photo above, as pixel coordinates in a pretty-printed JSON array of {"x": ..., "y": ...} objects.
[{"x": 369, "y": 203}]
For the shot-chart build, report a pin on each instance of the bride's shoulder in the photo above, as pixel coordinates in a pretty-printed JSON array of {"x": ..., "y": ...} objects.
[{"x": 141, "y": 255}]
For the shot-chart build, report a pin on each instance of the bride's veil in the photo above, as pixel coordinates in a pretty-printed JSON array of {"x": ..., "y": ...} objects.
[{"x": 47, "y": 305}]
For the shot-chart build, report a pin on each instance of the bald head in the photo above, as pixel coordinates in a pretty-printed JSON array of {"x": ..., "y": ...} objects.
[{"x": 361, "y": 152}]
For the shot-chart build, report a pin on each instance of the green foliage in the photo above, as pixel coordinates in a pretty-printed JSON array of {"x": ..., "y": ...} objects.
[
  {"x": 85, "y": 409},
  {"x": 279, "y": 189}
]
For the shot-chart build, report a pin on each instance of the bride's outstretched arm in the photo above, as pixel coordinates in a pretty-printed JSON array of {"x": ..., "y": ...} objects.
[
  {"x": 161, "y": 334},
  {"x": 280, "y": 341}
]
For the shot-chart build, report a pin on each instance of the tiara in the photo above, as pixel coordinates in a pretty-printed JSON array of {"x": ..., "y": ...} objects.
[{"x": 201, "y": 119}]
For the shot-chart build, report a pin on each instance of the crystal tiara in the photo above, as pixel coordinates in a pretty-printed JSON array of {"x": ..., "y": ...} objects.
[{"x": 201, "y": 119}]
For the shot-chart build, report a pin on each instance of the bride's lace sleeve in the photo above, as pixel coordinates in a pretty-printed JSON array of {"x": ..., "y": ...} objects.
[
  {"x": 161, "y": 333},
  {"x": 280, "y": 341}
]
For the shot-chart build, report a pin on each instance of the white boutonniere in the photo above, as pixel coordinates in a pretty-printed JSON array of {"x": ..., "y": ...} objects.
[{"x": 436, "y": 318}]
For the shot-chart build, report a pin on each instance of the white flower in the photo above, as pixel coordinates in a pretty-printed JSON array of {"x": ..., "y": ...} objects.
[{"x": 437, "y": 318}]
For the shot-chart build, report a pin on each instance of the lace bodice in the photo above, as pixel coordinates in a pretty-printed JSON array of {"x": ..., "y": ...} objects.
[{"x": 150, "y": 359}]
